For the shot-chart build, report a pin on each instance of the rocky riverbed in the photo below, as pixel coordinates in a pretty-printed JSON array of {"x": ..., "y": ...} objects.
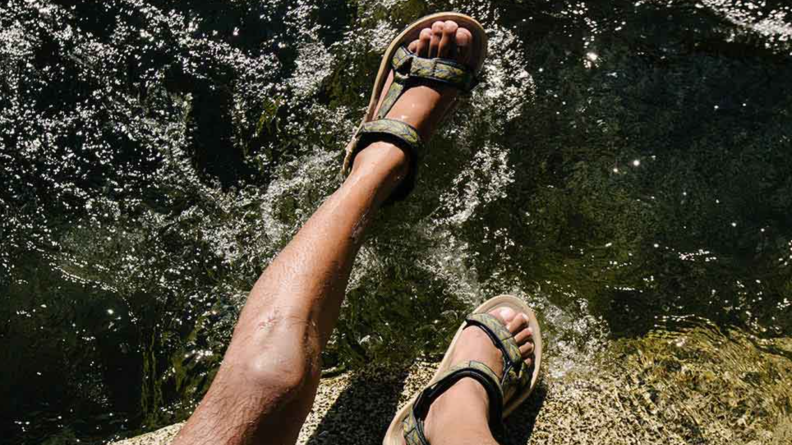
[{"x": 697, "y": 385}]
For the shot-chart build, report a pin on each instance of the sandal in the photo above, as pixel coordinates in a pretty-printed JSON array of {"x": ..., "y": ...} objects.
[
  {"x": 410, "y": 70},
  {"x": 505, "y": 394}
]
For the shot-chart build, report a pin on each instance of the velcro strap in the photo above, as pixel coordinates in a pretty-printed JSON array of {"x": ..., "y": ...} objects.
[
  {"x": 405, "y": 135},
  {"x": 412, "y": 429},
  {"x": 401, "y": 59},
  {"x": 402, "y": 135},
  {"x": 394, "y": 92},
  {"x": 434, "y": 69},
  {"x": 443, "y": 70}
]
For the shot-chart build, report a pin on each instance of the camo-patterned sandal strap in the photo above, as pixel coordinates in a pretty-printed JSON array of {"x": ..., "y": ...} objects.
[
  {"x": 399, "y": 133},
  {"x": 413, "y": 424},
  {"x": 515, "y": 374},
  {"x": 410, "y": 69}
]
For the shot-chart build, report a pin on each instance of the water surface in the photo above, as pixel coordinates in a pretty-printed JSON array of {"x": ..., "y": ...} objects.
[{"x": 624, "y": 166}]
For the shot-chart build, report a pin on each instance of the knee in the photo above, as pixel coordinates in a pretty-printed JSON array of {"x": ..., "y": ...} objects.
[
  {"x": 280, "y": 361},
  {"x": 274, "y": 355},
  {"x": 281, "y": 376}
]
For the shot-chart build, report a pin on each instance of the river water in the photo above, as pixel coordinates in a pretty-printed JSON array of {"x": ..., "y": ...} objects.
[{"x": 624, "y": 166}]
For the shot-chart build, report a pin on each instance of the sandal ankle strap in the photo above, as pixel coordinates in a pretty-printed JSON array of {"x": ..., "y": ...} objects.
[
  {"x": 413, "y": 424},
  {"x": 398, "y": 133}
]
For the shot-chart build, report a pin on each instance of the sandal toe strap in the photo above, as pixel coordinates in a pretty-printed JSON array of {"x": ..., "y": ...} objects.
[
  {"x": 434, "y": 69},
  {"x": 410, "y": 69},
  {"x": 515, "y": 374}
]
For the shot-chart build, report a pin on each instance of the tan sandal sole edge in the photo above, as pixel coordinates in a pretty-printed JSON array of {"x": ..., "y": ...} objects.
[
  {"x": 394, "y": 435},
  {"x": 411, "y": 32}
]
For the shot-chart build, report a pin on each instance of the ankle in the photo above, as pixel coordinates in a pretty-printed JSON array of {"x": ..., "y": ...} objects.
[
  {"x": 463, "y": 409},
  {"x": 383, "y": 164},
  {"x": 383, "y": 157}
]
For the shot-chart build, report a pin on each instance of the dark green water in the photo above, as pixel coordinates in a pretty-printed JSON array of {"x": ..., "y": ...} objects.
[{"x": 625, "y": 166}]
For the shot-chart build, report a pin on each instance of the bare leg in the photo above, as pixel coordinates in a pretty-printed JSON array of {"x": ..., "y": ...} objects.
[
  {"x": 267, "y": 382},
  {"x": 460, "y": 417}
]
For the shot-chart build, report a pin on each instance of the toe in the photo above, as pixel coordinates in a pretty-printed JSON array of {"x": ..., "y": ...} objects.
[
  {"x": 464, "y": 39},
  {"x": 448, "y": 41},
  {"x": 523, "y": 336},
  {"x": 526, "y": 350},
  {"x": 517, "y": 324},
  {"x": 424, "y": 41},
  {"x": 437, "y": 35},
  {"x": 504, "y": 314},
  {"x": 413, "y": 46}
]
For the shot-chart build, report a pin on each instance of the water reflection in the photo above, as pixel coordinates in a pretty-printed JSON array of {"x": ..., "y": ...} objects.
[{"x": 621, "y": 166}]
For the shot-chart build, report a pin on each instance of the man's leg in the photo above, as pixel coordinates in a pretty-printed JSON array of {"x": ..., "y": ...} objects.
[
  {"x": 268, "y": 379},
  {"x": 459, "y": 417},
  {"x": 267, "y": 382}
]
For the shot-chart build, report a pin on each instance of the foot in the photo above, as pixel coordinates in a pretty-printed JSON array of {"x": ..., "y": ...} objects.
[
  {"x": 420, "y": 106},
  {"x": 467, "y": 399},
  {"x": 423, "y": 106}
]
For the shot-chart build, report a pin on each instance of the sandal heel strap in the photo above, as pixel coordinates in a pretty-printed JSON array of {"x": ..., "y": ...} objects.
[
  {"x": 413, "y": 424},
  {"x": 404, "y": 132}
]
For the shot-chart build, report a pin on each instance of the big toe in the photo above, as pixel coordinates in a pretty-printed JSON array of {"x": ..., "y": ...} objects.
[
  {"x": 520, "y": 327},
  {"x": 513, "y": 321}
]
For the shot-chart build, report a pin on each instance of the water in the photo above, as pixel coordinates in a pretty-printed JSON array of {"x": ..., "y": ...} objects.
[{"x": 624, "y": 166}]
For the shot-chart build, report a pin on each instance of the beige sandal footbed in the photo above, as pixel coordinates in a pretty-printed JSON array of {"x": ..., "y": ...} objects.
[{"x": 394, "y": 435}]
